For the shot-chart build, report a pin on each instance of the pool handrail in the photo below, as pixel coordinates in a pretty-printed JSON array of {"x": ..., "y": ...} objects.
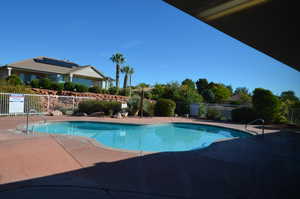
[
  {"x": 27, "y": 118},
  {"x": 263, "y": 125}
]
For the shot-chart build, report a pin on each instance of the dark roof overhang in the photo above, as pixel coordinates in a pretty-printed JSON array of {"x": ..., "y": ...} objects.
[{"x": 270, "y": 26}]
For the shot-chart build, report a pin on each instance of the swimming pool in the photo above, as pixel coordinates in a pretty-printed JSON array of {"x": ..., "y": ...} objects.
[{"x": 150, "y": 138}]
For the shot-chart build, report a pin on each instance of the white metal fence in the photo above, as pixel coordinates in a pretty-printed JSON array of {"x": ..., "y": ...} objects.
[
  {"x": 224, "y": 109},
  {"x": 293, "y": 114},
  {"x": 18, "y": 104}
]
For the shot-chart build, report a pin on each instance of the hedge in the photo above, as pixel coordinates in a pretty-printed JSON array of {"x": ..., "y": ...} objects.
[
  {"x": 243, "y": 115},
  {"x": 165, "y": 107},
  {"x": 92, "y": 106}
]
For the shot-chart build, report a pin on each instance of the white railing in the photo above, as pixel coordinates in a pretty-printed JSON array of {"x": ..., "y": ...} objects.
[{"x": 12, "y": 104}]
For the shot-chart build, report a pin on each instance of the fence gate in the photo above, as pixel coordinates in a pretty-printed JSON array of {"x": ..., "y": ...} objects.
[{"x": 20, "y": 104}]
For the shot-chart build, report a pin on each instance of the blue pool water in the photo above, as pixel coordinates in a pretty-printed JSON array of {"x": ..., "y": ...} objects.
[{"x": 152, "y": 138}]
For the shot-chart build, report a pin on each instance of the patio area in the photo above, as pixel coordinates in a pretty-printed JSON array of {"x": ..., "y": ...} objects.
[{"x": 66, "y": 166}]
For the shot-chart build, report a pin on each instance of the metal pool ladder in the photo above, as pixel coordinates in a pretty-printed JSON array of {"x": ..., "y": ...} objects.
[
  {"x": 263, "y": 126},
  {"x": 32, "y": 111}
]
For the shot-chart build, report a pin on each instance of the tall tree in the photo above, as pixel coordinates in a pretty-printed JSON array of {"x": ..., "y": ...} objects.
[
  {"x": 201, "y": 84},
  {"x": 126, "y": 70},
  {"x": 221, "y": 92},
  {"x": 130, "y": 73},
  {"x": 243, "y": 90},
  {"x": 289, "y": 96},
  {"x": 265, "y": 104},
  {"x": 118, "y": 59},
  {"x": 189, "y": 83},
  {"x": 143, "y": 85}
]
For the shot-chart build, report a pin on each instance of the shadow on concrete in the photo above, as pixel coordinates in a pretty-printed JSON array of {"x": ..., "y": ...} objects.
[{"x": 255, "y": 167}]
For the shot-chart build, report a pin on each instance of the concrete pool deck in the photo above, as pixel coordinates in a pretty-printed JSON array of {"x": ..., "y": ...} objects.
[{"x": 256, "y": 167}]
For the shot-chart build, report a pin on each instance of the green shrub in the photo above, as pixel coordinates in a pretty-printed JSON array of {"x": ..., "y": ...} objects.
[
  {"x": 243, "y": 115},
  {"x": 182, "y": 107},
  {"x": 208, "y": 96},
  {"x": 15, "y": 89},
  {"x": 57, "y": 86},
  {"x": 265, "y": 104},
  {"x": 149, "y": 108},
  {"x": 134, "y": 105},
  {"x": 45, "y": 83},
  {"x": 35, "y": 83},
  {"x": 148, "y": 94},
  {"x": 95, "y": 89},
  {"x": 92, "y": 106},
  {"x": 165, "y": 107},
  {"x": 113, "y": 90},
  {"x": 213, "y": 114},
  {"x": 14, "y": 80},
  {"x": 81, "y": 88},
  {"x": 281, "y": 119},
  {"x": 202, "y": 111},
  {"x": 112, "y": 107},
  {"x": 3, "y": 82},
  {"x": 69, "y": 86},
  {"x": 124, "y": 92}
]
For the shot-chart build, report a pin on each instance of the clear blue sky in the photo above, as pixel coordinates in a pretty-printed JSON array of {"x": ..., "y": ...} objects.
[{"x": 162, "y": 43}]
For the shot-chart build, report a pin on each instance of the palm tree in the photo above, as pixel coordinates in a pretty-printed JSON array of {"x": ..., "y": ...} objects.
[
  {"x": 126, "y": 70},
  {"x": 130, "y": 73},
  {"x": 119, "y": 59}
]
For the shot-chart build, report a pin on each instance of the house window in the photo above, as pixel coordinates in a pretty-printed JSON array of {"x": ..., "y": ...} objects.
[
  {"x": 22, "y": 77},
  {"x": 57, "y": 78},
  {"x": 86, "y": 82},
  {"x": 26, "y": 78}
]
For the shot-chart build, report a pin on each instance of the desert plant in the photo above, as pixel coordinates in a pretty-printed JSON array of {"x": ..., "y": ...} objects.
[
  {"x": 165, "y": 107},
  {"x": 134, "y": 105}
]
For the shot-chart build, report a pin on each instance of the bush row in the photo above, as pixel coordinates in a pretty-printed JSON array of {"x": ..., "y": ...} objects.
[
  {"x": 13, "y": 85},
  {"x": 92, "y": 106},
  {"x": 46, "y": 83},
  {"x": 163, "y": 107}
]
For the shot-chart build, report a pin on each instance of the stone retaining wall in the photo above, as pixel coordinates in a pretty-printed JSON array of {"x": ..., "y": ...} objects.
[{"x": 105, "y": 97}]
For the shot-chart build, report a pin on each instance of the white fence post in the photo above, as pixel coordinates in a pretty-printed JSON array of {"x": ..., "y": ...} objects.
[
  {"x": 48, "y": 105},
  {"x": 74, "y": 103}
]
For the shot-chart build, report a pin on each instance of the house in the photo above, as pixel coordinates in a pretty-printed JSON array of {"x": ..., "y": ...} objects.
[{"x": 57, "y": 70}]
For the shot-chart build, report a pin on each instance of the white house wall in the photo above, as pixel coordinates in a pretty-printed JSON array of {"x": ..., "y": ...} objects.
[{"x": 88, "y": 72}]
